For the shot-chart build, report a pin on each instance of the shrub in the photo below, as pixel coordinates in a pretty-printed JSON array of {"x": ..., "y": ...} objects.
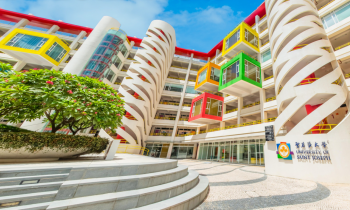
[
  {"x": 7, "y": 128},
  {"x": 34, "y": 142}
]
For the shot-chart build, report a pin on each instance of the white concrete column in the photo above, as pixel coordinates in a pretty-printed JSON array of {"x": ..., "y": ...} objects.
[
  {"x": 19, "y": 66},
  {"x": 262, "y": 94},
  {"x": 198, "y": 130},
  {"x": 21, "y": 23},
  {"x": 240, "y": 107},
  {"x": 216, "y": 56},
  {"x": 170, "y": 150},
  {"x": 195, "y": 148},
  {"x": 257, "y": 19},
  {"x": 181, "y": 100},
  {"x": 207, "y": 129},
  {"x": 74, "y": 44},
  {"x": 53, "y": 29}
]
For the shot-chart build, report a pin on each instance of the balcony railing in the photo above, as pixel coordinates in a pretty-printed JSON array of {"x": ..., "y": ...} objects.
[
  {"x": 232, "y": 110},
  {"x": 160, "y": 134},
  {"x": 183, "y": 68},
  {"x": 342, "y": 46},
  {"x": 347, "y": 76},
  {"x": 187, "y": 105},
  {"x": 164, "y": 118},
  {"x": 251, "y": 105},
  {"x": 183, "y": 119},
  {"x": 117, "y": 83},
  {"x": 191, "y": 80},
  {"x": 169, "y": 103},
  {"x": 264, "y": 44},
  {"x": 267, "y": 78},
  {"x": 187, "y": 134},
  {"x": 124, "y": 70},
  {"x": 326, "y": 5},
  {"x": 271, "y": 99},
  {"x": 322, "y": 128}
]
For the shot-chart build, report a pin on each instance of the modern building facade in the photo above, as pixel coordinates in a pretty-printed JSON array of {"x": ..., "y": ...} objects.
[{"x": 287, "y": 65}]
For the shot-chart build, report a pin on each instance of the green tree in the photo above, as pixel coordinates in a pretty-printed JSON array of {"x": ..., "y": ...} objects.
[
  {"x": 5, "y": 67},
  {"x": 66, "y": 100}
]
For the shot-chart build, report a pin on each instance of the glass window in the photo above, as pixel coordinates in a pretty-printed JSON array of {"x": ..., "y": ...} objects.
[
  {"x": 27, "y": 41},
  {"x": 251, "y": 38},
  {"x": 252, "y": 152},
  {"x": 56, "y": 52},
  {"x": 173, "y": 87},
  {"x": 329, "y": 20},
  {"x": 343, "y": 12},
  {"x": 252, "y": 71},
  {"x": 215, "y": 74},
  {"x": 118, "y": 63},
  {"x": 214, "y": 107},
  {"x": 190, "y": 89},
  {"x": 202, "y": 76},
  {"x": 232, "y": 40},
  {"x": 197, "y": 106},
  {"x": 230, "y": 73},
  {"x": 265, "y": 56},
  {"x": 109, "y": 74}
]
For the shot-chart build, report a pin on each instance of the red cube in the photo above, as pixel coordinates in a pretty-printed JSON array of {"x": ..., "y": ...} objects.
[{"x": 206, "y": 109}]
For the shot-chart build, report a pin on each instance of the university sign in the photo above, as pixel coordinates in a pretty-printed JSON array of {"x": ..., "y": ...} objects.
[{"x": 314, "y": 152}]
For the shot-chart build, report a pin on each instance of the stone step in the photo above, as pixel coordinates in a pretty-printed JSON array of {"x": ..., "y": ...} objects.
[
  {"x": 188, "y": 200},
  {"x": 29, "y": 188},
  {"x": 121, "y": 200},
  {"x": 89, "y": 187},
  {"x": 31, "y": 198},
  {"x": 33, "y": 172},
  {"x": 39, "y": 178}
]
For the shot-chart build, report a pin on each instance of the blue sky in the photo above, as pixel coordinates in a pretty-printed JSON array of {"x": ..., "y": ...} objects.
[{"x": 199, "y": 24}]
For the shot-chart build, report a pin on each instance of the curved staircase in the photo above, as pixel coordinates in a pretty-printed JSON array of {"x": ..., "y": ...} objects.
[{"x": 139, "y": 183}]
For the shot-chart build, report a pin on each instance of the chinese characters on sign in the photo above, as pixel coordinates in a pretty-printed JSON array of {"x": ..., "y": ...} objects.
[
  {"x": 315, "y": 152},
  {"x": 269, "y": 134}
]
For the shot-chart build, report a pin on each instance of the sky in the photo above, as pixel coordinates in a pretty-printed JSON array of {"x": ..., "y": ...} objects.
[{"x": 199, "y": 24}]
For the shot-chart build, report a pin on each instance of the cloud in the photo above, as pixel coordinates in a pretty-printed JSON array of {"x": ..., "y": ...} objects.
[{"x": 134, "y": 15}]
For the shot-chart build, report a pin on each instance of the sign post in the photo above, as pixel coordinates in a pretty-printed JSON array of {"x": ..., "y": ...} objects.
[{"x": 269, "y": 134}]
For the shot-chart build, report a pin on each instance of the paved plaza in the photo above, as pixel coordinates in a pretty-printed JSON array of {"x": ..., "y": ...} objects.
[{"x": 248, "y": 187}]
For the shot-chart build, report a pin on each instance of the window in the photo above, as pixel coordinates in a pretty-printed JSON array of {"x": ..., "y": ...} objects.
[
  {"x": 336, "y": 16},
  {"x": 252, "y": 71},
  {"x": 251, "y": 38},
  {"x": 56, "y": 52},
  {"x": 118, "y": 63},
  {"x": 190, "y": 89},
  {"x": 232, "y": 40},
  {"x": 215, "y": 74},
  {"x": 109, "y": 74},
  {"x": 173, "y": 87},
  {"x": 265, "y": 56},
  {"x": 197, "y": 106},
  {"x": 230, "y": 73},
  {"x": 27, "y": 41},
  {"x": 202, "y": 76},
  {"x": 214, "y": 107}
]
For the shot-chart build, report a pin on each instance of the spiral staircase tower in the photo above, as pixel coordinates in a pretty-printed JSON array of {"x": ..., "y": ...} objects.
[
  {"x": 300, "y": 48},
  {"x": 142, "y": 88},
  {"x": 309, "y": 85}
]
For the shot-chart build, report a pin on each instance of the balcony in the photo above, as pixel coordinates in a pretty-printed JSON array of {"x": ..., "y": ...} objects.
[
  {"x": 34, "y": 47},
  {"x": 240, "y": 76},
  {"x": 208, "y": 78},
  {"x": 206, "y": 109},
  {"x": 242, "y": 38}
]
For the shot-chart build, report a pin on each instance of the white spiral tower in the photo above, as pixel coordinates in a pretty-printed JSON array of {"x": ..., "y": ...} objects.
[
  {"x": 300, "y": 48},
  {"x": 143, "y": 87}
]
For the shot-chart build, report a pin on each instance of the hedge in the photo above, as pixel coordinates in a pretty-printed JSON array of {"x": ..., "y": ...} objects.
[
  {"x": 34, "y": 142},
  {"x": 7, "y": 128}
]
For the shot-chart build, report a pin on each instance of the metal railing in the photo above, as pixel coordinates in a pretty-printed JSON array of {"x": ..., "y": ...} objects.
[
  {"x": 322, "y": 128},
  {"x": 232, "y": 110},
  {"x": 125, "y": 148},
  {"x": 251, "y": 105},
  {"x": 181, "y": 79},
  {"x": 271, "y": 99},
  {"x": 164, "y": 118},
  {"x": 169, "y": 103},
  {"x": 160, "y": 134},
  {"x": 347, "y": 76},
  {"x": 326, "y": 5},
  {"x": 268, "y": 77},
  {"x": 342, "y": 46},
  {"x": 264, "y": 44}
]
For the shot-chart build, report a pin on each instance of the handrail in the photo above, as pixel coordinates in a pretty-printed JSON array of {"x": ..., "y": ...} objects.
[
  {"x": 164, "y": 118},
  {"x": 117, "y": 83},
  {"x": 187, "y": 105},
  {"x": 232, "y": 110},
  {"x": 264, "y": 44},
  {"x": 321, "y": 127},
  {"x": 271, "y": 99},
  {"x": 187, "y": 134},
  {"x": 131, "y": 59},
  {"x": 183, "y": 119},
  {"x": 251, "y": 105},
  {"x": 268, "y": 77},
  {"x": 125, "y": 147},
  {"x": 308, "y": 81},
  {"x": 169, "y": 103},
  {"x": 160, "y": 134},
  {"x": 124, "y": 70},
  {"x": 326, "y": 5},
  {"x": 342, "y": 46}
]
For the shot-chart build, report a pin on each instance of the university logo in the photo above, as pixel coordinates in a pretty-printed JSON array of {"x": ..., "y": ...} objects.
[{"x": 283, "y": 151}]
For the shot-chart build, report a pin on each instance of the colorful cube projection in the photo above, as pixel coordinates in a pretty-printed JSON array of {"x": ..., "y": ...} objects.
[
  {"x": 206, "y": 109},
  {"x": 240, "y": 76},
  {"x": 242, "y": 38},
  {"x": 34, "y": 47},
  {"x": 208, "y": 78}
]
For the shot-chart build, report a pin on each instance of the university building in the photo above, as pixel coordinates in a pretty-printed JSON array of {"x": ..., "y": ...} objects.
[{"x": 286, "y": 68}]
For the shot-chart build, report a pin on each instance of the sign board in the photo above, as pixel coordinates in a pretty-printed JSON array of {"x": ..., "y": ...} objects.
[{"x": 269, "y": 134}]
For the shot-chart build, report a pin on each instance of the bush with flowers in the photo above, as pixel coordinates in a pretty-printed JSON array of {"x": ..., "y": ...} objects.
[{"x": 66, "y": 100}]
